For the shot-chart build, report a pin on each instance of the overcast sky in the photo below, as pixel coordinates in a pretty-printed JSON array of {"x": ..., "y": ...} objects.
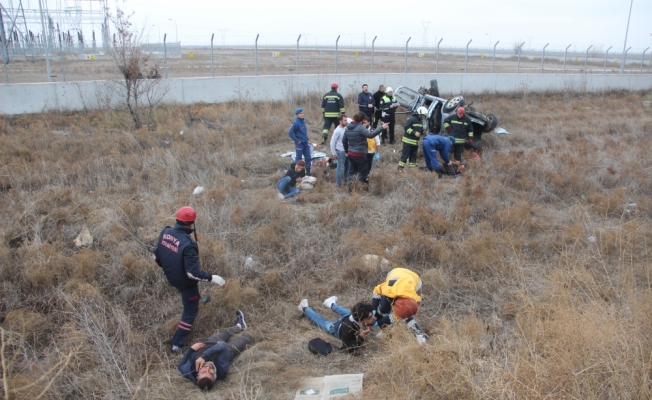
[{"x": 601, "y": 23}]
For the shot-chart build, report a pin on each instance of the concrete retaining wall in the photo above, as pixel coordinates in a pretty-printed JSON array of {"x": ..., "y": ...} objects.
[{"x": 63, "y": 96}]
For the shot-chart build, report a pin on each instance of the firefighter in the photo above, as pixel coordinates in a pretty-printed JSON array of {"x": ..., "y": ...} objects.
[
  {"x": 413, "y": 131},
  {"x": 177, "y": 254},
  {"x": 460, "y": 127},
  {"x": 388, "y": 106},
  {"x": 332, "y": 106}
]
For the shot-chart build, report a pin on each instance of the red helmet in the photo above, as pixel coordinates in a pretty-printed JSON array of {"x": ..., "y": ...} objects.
[
  {"x": 334, "y": 85},
  {"x": 405, "y": 307},
  {"x": 461, "y": 110},
  {"x": 186, "y": 214}
]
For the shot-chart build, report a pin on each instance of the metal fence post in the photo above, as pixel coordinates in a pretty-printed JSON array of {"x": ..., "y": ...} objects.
[
  {"x": 586, "y": 59},
  {"x": 604, "y": 70},
  {"x": 406, "y": 48},
  {"x": 373, "y": 43},
  {"x": 466, "y": 60},
  {"x": 493, "y": 61},
  {"x": 565, "y": 53},
  {"x": 643, "y": 60},
  {"x": 212, "y": 59},
  {"x": 257, "y": 36},
  {"x": 336, "y": 44},
  {"x": 543, "y": 56},
  {"x": 437, "y": 62},
  {"x": 165, "y": 54},
  {"x": 46, "y": 39},
  {"x": 622, "y": 69},
  {"x": 518, "y": 64},
  {"x": 298, "y": 54},
  {"x": 63, "y": 65}
]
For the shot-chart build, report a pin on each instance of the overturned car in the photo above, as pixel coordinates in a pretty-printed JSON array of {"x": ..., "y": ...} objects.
[{"x": 439, "y": 109}]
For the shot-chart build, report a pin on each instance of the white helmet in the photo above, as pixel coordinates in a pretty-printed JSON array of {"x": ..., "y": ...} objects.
[
  {"x": 389, "y": 89},
  {"x": 422, "y": 111}
]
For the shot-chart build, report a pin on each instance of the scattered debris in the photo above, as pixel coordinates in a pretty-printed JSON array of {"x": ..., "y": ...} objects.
[
  {"x": 84, "y": 238},
  {"x": 249, "y": 262},
  {"x": 198, "y": 190},
  {"x": 181, "y": 132},
  {"x": 592, "y": 239},
  {"x": 329, "y": 387},
  {"x": 372, "y": 260},
  {"x": 206, "y": 299},
  {"x": 308, "y": 182},
  {"x": 501, "y": 131}
]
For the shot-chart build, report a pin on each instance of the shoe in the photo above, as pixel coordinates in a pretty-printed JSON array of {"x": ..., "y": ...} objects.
[
  {"x": 328, "y": 303},
  {"x": 302, "y": 305},
  {"x": 280, "y": 196},
  {"x": 239, "y": 320},
  {"x": 176, "y": 349},
  {"x": 392, "y": 142}
]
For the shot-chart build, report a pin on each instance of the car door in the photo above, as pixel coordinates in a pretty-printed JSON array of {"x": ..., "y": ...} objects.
[{"x": 408, "y": 98}]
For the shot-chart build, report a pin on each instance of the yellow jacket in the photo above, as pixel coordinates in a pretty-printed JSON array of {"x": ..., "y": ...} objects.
[{"x": 405, "y": 284}]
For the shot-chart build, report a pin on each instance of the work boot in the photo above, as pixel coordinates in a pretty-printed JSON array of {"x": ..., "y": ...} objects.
[{"x": 308, "y": 172}]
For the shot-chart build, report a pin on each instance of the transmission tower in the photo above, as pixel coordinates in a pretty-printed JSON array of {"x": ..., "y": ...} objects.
[{"x": 424, "y": 42}]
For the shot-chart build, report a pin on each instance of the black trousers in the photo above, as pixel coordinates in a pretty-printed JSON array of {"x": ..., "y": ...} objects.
[
  {"x": 377, "y": 117},
  {"x": 458, "y": 149},
  {"x": 328, "y": 122},
  {"x": 409, "y": 153},
  {"x": 237, "y": 346},
  {"x": 391, "y": 118},
  {"x": 360, "y": 166}
]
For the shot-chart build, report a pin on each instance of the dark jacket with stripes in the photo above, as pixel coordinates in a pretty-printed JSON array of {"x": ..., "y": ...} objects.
[
  {"x": 332, "y": 105},
  {"x": 178, "y": 255},
  {"x": 413, "y": 125},
  {"x": 386, "y": 101},
  {"x": 462, "y": 128}
]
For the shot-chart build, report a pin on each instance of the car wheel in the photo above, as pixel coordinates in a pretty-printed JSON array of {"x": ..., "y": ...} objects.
[
  {"x": 434, "y": 88},
  {"x": 452, "y": 104},
  {"x": 492, "y": 123}
]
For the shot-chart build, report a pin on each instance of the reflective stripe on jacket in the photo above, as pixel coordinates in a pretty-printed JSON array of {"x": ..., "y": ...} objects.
[
  {"x": 462, "y": 128},
  {"x": 332, "y": 105},
  {"x": 386, "y": 101},
  {"x": 413, "y": 125}
]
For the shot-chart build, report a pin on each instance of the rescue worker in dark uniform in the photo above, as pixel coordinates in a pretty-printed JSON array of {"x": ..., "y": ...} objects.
[
  {"x": 460, "y": 127},
  {"x": 332, "y": 106},
  {"x": 377, "y": 113},
  {"x": 388, "y": 106},
  {"x": 177, "y": 254},
  {"x": 413, "y": 131}
]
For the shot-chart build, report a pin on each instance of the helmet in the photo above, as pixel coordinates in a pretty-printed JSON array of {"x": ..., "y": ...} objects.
[
  {"x": 389, "y": 89},
  {"x": 334, "y": 85},
  {"x": 186, "y": 214},
  {"x": 422, "y": 111},
  {"x": 405, "y": 307},
  {"x": 461, "y": 110}
]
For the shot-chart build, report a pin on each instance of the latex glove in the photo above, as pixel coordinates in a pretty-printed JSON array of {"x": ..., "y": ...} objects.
[
  {"x": 218, "y": 280},
  {"x": 377, "y": 157},
  {"x": 421, "y": 339}
]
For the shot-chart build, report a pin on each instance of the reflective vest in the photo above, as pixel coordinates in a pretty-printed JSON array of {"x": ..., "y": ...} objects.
[
  {"x": 332, "y": 105},
  {"x": 386, "y": 101}
]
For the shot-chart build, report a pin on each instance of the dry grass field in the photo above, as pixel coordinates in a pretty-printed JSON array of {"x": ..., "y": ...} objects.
[{"x": 536, "y": 264}]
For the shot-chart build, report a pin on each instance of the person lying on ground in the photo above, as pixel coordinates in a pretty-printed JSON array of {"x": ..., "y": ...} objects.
[
  {"x": 287, "y": 184},
  {"x": 207, "y": 362},
  {"x": 351, "y": 328},
  {"x": 397, "y": 299}
]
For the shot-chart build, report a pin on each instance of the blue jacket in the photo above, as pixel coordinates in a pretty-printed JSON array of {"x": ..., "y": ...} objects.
[
  {"x": 364, "y": 99},
  {"x": 217, "y": 353},
  {"x": 178, "y": 255},
  {"x": 441, "y": 144},
  {"x": 298, "y": 131}
]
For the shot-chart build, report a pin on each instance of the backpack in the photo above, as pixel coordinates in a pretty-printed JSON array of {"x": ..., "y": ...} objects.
[{"x": 321, "y": 347}]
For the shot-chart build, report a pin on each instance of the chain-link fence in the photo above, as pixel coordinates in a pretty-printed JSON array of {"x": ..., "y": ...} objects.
[{"x": 26, "y": 62}]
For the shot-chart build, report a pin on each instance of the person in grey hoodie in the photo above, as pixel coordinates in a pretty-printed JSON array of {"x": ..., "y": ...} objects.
[{"x": 355, "y": 146}]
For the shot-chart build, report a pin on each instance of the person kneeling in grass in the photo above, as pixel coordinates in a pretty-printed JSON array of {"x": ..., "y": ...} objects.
[
  {"x": 287, "y": 185},
  {"x": 207, "y": 362},
  {"x": 352, "y": 326}
]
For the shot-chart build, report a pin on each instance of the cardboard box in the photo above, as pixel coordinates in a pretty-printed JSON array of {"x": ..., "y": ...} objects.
[{"x": 329, "y": 387}]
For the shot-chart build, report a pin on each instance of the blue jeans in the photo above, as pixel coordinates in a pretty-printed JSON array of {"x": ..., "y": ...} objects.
[
  {"x": 328, "y": 326},
  {"x": 342, "y": 168},
  {"x": 285, "y": 189},
  {"x": 303, "y": 151}
]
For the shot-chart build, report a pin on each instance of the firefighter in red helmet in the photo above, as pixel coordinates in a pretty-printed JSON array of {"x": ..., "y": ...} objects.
[{"x": 177, "y": 254}]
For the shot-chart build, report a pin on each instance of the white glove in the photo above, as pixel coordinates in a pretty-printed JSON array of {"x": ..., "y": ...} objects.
[
  {"x": 218, "y": 280},
  {"x": 421, "y": 339},
  {"x": 383, "y": 114}
]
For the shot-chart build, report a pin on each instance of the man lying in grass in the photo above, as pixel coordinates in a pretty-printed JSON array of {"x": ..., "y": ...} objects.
[
  {"x": 352, "y": 326},
  {"x": 205, "y": 363}
]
